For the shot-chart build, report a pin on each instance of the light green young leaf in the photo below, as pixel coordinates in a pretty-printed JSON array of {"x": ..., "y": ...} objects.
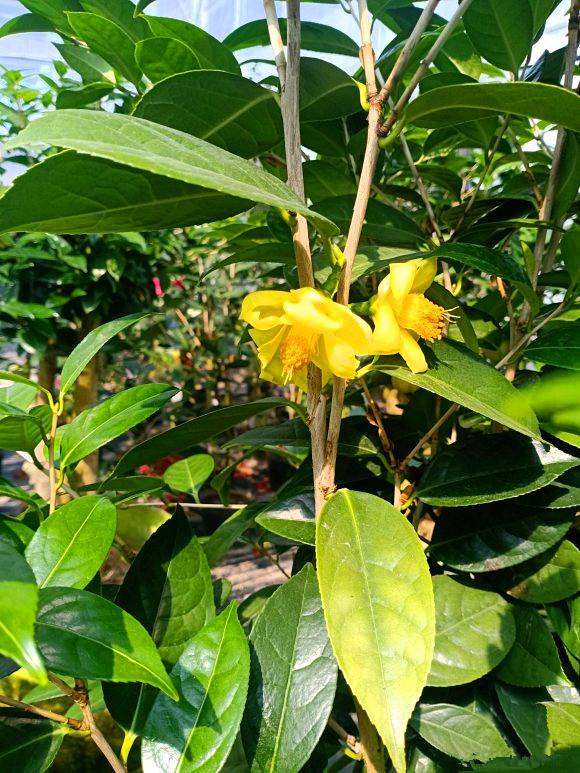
[
  {"x": 189, "y": 474},
  {"x": 82, "y": 354},
  {"x": 374, "y": 579},
  {"x": 68, "y": 548}
]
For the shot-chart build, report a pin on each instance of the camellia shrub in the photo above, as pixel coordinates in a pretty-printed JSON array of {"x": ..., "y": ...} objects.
[{"x": 407, "y": 258}]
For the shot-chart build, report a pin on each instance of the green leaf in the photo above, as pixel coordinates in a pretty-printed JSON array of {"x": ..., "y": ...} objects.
[
  {"x": 385, "y": 225},
  {"x": 227, "y": 533},
  {"x": 570, "y": 248},
  {"x": 21, "y": 393},
  {"x": 322, "y": 180},
  {"x": 460, "y": 376},
  {"x": 195, "y": 431},
  {"x": 23, "y": 432},
  {"x": 29, "y": 744},
  {"x": 450, "y": 105},
  {"x": 489, "y": 468},
  {"x": 564, "y": 725},
  {"x": 374, "y": 579},
  {"x": 314, "y": 37},
  {"x": 475, "y": 630},
  {"x": 84, "y": 352},
  {"x": 493, "y": 262},
  {"x": 557, "y": 579},
  {"x": 527, "y": 716},
  {"x": 168, "y": 590},
  {"x": 189, "y": 474},
  {"x": 122, "y": 12},
  {"x": 161, "y": 58},
  {"x": 559, "y": 347},
  {"x": 568, "y": 177},
  {"x": 53, "y": 10},
  {"x": 223, "y": 108},
  {"x": 326, "y": 91},
  {"x": 211, "y": 676},
  {"x": 110, "y": 41},
  {"x": 69, "y": 547},
  {"x": 52, "y": 197},
  {"x": 90, "y": 66},
  {"x": 136, "y": 523},
  {"x": 28, "y": 22},
  {"x": 83, "y": 634},
  {"x": 486, "y": 538},
  {"x": 556, "y": 763},
  {"x": 460, "y": 732},
  {"x": 533, "y": 660},
  {"x": 292, "y": 519},
  {"x": 501, "y": 32},
  {"x": 16, "y": 534},
  {"x": 290, "y": 697},
  {"x": 169, "y": 153},
  {"x": 96, "y": 426},
  {"x": 18, "y": 604},
  {"x": 79, "y": 96},
  {"x": 210, "y": 53}
]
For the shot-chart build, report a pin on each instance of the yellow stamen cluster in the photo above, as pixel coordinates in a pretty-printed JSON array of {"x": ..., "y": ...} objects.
[
  {"x": 295, "y": 352},
  {"x": 424, "y": 317}
]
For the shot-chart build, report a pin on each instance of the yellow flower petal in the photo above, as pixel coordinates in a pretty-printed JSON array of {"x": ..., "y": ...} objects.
[
  {"x": 268, "y": 343},
  {"x": 334, "y": 354},
  {"x": 426, "y": 273},
  {"x": 387, "y": 333},
  {"x": 264, "y": 309},
  {"x": 412, "y": 353},
  {"x": 307, "y": 307},
  {"x": 402, "y": 276}
]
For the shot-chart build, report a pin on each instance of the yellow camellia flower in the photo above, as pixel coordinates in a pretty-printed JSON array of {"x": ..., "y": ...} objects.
[
  {"x": 402, "y": 314},
  {"x": 295, "y": 328}
]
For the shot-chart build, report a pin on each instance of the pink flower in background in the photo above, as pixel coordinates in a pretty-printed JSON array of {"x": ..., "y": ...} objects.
[
  {"x": 178, "y": 282},
  {"x": 157, "y": 285}
]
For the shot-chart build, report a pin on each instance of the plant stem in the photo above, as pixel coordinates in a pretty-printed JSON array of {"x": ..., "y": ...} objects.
[
  {"x": 89, "y": 721},
  {"x": 349, "y": 739},
  {"x": 52, "y": 475},
  {"x": 371, "y": 746},
  {"x": 75, "y": 723}
]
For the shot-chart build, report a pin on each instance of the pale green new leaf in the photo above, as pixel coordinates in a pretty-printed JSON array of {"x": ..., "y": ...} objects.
[
  {"x": 375, "y": 581},
  {"x": 189, "y": 474}
]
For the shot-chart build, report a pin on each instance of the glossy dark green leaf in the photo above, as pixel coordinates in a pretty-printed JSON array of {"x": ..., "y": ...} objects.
[
  {"x": 189, "y": 474},
  {"x": 211, "y": 54},
  {"x": 80, "y": 96},
  {"x": 18, "y": 605},
  {"x": 323, "y": 180},
  {"x": 450, "y": 105},
  {"x": 53, "y": 10},
  {"x": 568, "y": 177},
  {"x": 222, "y": 108},
  {"x": 108, "y": 40},
  {"x": 53, "y": 197},
  {"x": 527, "y": 716},
  {"x": 533, "y": 660},
  {"x": 228, "y": 532},
  {"x": 195, "y": 431},
  {"x": 29, "y": 744},
  {"x": 290, "y": 696},
  {"x": 292, "y": 519},
  {"x": 69, "y": 547},
  {"x": 85, "y": 635},
  {"x": 170, "y": 153},
  {"x": 486, "y": 538},
  {"x": 211, "y": 676},
  {"x": 161, "y": 58},
  {"x": 459, "y": 732},
  {"x": 84, "y": 352},
  {"x": 559, "y": 347},
  {"x": 314, "y": 37},
  {"x": 374, "y": 580},
  {"x": 557, "y": 579},
  {"x": 96, "y": 426},
  {"x": 474, "y": 631},
  {"x": 502, "y": 33},
  {"x": 460, "y": 376},
  {"x": 326, "y": 91},
  {"x": 168, "y": 590},
  {"x": 493, "y": 262},
  {"x": 489, "y": 468},
  {"x": 558, "y": 762},
  {"x": 15, "y": 533}
]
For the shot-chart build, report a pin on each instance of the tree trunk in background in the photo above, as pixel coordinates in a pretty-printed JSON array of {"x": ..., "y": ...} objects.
[
  {"x": 85, "y": 395},
  {"x": 47, "y": 371}
]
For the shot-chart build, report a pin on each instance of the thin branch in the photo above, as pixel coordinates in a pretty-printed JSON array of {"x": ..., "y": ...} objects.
[
  {"x": 407, "y": 51},
  {"x": 63, "y": 686},
  {"x": 75, "y": 723},
  {"x": 348, "y": 738},
  {"x": 383, "y": 437},
  {"x": 96, "y": 735},
  {"x": 427, "y": 436},
  {"x": 524, "y": 340},
  {"x": 526, "y": 164},
  {"x": 276, "y": 41},
  {"x": 423, "y": 67},
  {"x": 52, "y": 474}
]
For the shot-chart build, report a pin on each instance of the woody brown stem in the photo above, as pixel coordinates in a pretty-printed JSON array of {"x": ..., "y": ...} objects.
[{"x": 74, "y": 723}]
